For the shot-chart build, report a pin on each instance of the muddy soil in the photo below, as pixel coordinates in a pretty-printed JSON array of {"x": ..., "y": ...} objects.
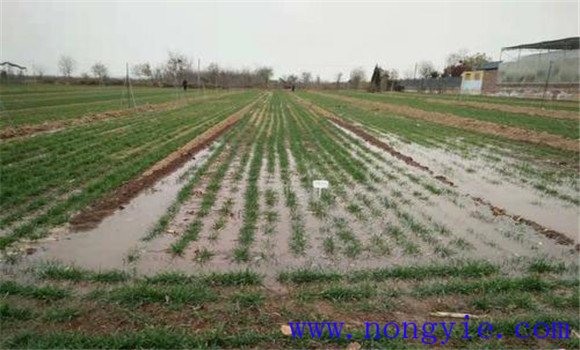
[
  {"x": 458, "y": 225},
  {"x": 478, "y": 177},
  {"x": 560, "y": 237},
  {"x": 509, "y": 132},
  {"x": 108, "y": 244}
]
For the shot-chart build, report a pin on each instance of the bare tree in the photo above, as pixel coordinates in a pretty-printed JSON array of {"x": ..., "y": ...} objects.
[
  {"x": 37, "y": 71},
  {"x": 394, "y": 74},
  {"x": 292, "y": 79},
  {"x": 213, "y": 71},
  {"x": 306, "y": 78},
  {"x": 426, "y": 69},
  {"x": 100, "y": 71},
  {"x": 318, "y": 81},
  {"x": 142, "y": 70},
  {"x": 66, "y": 65},
  {"x": 265, "y": 74},
  {"x": 176, "y": 67},
  {"x": 357, "y": 76},
  {"x": 338, "y": 78}
]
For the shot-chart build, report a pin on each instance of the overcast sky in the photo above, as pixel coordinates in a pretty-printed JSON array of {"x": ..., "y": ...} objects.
[{"x": 320, "y": 37}]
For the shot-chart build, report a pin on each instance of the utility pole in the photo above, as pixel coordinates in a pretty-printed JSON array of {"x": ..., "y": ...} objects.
[
  {"x": 198, "y": 73},
  {"x": 546, "y": 85},
  {"x": 129, "y": 88}
]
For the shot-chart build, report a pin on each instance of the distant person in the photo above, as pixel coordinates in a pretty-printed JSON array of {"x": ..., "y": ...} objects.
[
  {"x": 293, "y": 87},
  {"x": 184, "y": 84}
]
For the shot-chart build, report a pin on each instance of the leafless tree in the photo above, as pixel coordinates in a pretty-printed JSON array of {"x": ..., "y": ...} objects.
[
  {"x": 338, "y": 78},
  {"x": 37, "y": 71},
  {"x": 357, "y": 76},
  {"x": 100, "y": 71},
  {"x": 426, "y": 69},
  {"x": 176, "y": 67},
  {"x": 265, "y": 74},
  {"x": 213, "y": 71},
  {"x": 292, "y": 79},
  {"x": 66, "y": 65},
  {"x": 394, "y": 74},
  {"x": 306, "y": 78},
  {"x": 142, "y": 70},
  {"x": 318, "y": 81}
]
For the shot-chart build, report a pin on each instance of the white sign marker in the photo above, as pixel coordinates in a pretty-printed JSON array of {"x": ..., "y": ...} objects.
[{"x": 319, "y": 185}]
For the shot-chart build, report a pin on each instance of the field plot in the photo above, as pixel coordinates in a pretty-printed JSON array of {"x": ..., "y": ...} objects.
[{"x": 198, "y": 226}]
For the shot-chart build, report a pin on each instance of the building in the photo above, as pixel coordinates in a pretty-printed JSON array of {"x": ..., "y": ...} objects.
[
  {"x": 481, "y": 80},
  {"x": 546, "y": 69}
]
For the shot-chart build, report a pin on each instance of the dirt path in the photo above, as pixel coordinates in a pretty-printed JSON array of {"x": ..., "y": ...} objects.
[
  {"x": 533, "y": 111},
  {"x": 92, "y": 215},
  {"x": 559, "y": 237},
  {"x": 508, "y": 132},
  {"x": 33, "y": 129}
]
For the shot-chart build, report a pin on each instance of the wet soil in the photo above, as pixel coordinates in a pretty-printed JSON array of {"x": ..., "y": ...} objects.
[
  {"x": 92, "y": 215},
  {"x": 559, "y": 237},
  {"x": 509, "y": 132}
]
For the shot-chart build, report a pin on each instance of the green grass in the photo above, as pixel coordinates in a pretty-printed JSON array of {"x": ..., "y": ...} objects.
[
  {"x": 223, "y": 279},
  {"x": 61, "y": 314},
  {"x": 248, "y": 299},
  {"x": 46, "y": 293},
  {"x": 546, "y": 266},
  {"x": 45, "y": 104},
  {"x": 497, "y": 285},
  {"x": 57, "y": 271},
  {"x": 456, "y": 140},
  {"x": 566, "y": 128},
  {"x": 140, "y": 294},
  {"x": 10, "y": 312},
  {"x": 65, "y": 171}
]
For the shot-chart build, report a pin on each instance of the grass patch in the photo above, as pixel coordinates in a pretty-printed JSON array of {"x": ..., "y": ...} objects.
[
  {"x": 247, "y": 299},
  {"x": 140, "y": 294},
  {"x": 308, "y": 276},
  {"x": 61, "y": 314},
  {"x": 545, "y": 266},
  {"x": 46, "y": 293},
  {"x": 10, "y": 312},
  {"x": 344, "y": 293},
  {"x": 55, "y": 271}
]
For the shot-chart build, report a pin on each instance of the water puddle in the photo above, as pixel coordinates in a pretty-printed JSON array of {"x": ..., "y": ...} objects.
[{"x": 107, "y": 245}]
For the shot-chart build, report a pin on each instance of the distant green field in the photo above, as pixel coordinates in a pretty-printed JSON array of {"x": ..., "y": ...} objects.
[
  {"x": 23, "y": 104},
  {"x": 562, "y": 127}
]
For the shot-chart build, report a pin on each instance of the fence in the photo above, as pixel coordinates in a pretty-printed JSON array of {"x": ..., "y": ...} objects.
[{"x": 446, "y": 84}]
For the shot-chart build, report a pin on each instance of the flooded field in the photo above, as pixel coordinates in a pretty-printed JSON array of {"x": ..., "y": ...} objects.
[{"x": 218, "y": 193}]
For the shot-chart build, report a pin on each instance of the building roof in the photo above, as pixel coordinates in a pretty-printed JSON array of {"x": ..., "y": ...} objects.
[
  {"x": 572, "y": 43},
  {"x": 494, "y": 65},
  {"x": 6, "y": 63}
]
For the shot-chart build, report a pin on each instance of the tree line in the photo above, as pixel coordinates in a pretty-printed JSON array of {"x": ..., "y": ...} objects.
[{"x": 179, "y": 67}]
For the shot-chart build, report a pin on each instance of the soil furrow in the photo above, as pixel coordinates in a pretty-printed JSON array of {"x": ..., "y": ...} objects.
[
  {"x": 92, "y": 215},
  {"x": 508, "y": 132},
  {"x": 559, "y": 237}
]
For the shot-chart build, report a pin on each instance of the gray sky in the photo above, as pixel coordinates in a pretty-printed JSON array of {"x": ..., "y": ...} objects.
[{"x": 320, "y": 37}]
